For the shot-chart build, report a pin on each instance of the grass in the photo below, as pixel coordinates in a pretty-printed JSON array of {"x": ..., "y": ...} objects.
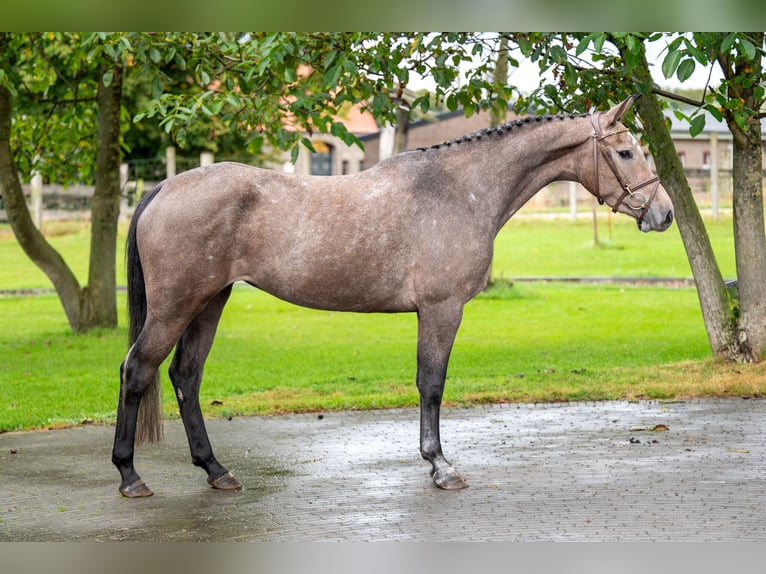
[{"x": 530, "y": 342}]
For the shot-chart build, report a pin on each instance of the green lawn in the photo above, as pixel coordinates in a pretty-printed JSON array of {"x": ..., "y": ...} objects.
[
  {"x": 531, "y": 342},
  {"x": 529, "y": 247}
]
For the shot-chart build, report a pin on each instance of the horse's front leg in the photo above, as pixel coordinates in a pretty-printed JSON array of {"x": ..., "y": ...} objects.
[{"x": 437, "y": 326}]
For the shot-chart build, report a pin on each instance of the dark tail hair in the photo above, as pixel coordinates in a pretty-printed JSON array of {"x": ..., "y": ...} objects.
[{"x": 149, "y": 427}]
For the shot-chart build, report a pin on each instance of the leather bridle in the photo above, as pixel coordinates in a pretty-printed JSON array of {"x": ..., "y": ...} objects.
[{"x": 634, "y": 199}]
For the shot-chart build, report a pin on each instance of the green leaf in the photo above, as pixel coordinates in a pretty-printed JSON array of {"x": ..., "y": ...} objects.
[
  {"x": 740, "y": 116},
  {"x": 675, "y": 44},
  {"x": 748, "y": 48},
  {"x": 308, "y": 145},
  {"x": 451, "y": 102},
  {"x": 713, "y": 110},
  {"x": 685, "y": 69},
  {"x": 584, "y": 43},
  {"x": 598, "y": 45},
  {"x": 329, "y": 58},
  {"x": 332, "y": 76},
  {"x": 337, "y": 129},
  {"x": 670, "y": 63},
  {"x": 697, "y": 125},
  {"x": 728, "y": 42},
  {"x": 632, "y": 43},
  {"x": 107, "y": 78},
  {"x": 558, "y": 54}
]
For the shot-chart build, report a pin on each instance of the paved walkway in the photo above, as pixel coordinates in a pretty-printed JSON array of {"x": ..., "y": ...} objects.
[{"x": 583, "y": 472}]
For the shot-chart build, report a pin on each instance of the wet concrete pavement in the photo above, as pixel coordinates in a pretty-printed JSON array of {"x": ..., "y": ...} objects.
[{"x": 578, "y": 471}]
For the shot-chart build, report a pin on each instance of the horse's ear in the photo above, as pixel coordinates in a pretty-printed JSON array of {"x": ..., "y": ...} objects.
[{"x": 618, "y": 112}]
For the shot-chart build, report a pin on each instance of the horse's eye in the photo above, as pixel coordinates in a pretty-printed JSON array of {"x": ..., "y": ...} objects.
[{"x": 625, "y": 154}]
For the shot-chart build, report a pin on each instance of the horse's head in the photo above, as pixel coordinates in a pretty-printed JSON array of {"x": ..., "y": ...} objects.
[{"x": 622, "y": 177}]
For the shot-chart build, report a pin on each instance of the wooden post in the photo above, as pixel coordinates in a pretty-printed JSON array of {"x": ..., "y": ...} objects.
[
  {"x": 386, "y": 142},
  {"x": 36, "y": 199},
  {"x": 573, "y": 200},
  {"x": 170, "y": 161},
  {"x": 124, "y": 171},
  {"x": 206, "y": 158},
  {"x": 595, "y": 221},
  {"x": 714, "y": 174}
]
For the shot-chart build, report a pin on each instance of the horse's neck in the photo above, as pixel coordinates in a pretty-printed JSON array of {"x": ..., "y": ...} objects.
[{"x": 525, "y": 162}]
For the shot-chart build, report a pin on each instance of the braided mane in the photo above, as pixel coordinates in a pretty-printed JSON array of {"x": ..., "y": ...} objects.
[{"x": 502, "y": 129}]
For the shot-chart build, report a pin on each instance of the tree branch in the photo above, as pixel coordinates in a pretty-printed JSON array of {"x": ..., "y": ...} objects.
[{"x": 677, "y": 97}]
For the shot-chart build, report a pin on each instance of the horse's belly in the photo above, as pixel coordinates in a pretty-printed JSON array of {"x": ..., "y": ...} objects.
[{"x": 336, "y": 283}]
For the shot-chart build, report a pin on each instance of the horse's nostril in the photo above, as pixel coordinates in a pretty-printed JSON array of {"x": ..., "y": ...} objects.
[{"x": 669, "y": 218}]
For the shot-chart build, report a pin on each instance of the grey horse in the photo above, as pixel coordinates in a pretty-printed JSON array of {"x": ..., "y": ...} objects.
[{"x": 414, "y": 233}]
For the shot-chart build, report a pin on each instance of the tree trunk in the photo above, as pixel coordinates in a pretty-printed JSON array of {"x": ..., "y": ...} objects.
[
  {"x": 96, "y": 304},
  {"x": 714, "y": 300},
  {"x": 749, "y": 237},
  {"x": 749, "y": 243},
  {"x": 99, "y": 300},
  {"x": 29, "y": 237},
  {"x": 500, "y": 77}
]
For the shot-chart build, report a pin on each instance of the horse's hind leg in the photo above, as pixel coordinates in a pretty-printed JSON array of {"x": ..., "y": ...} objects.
[
  {"x": 437, "y": 326},
  {"x": 138, "y": 373},
  {"x": 186, "y": 374}
]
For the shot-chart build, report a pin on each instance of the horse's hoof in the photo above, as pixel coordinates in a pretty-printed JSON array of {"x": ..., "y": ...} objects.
[
  {"x": 449, "y": 479},
  {"x": 136, "y": 490},
  {"x": 226, "y": 482}
]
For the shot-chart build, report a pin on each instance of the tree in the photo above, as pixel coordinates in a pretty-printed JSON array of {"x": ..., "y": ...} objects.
[
  {"x": 735, "y": 328},
  {"x": 60, "y": 113}
]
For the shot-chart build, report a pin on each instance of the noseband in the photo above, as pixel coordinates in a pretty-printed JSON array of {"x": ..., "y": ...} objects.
[{"x": 634, "y": 199}]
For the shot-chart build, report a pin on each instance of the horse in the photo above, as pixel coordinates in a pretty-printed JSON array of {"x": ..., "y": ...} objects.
[{"x": 413, "y": 234}]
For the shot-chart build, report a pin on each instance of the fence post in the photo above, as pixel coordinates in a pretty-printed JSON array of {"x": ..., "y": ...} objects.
[
  {"x": 36, "y": 199},
  {"x": 714, "y": 174},
  {"x": 206, "y": 158},
  {"x": 170, "y": 161},
  {"x": 573, "y": 200},
  {"x": 124, "y": 191}
]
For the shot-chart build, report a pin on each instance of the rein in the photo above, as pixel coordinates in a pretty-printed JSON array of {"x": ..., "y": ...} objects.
[{"x": 636, "y": 200}]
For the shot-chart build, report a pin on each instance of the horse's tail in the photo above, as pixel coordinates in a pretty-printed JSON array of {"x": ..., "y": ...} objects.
[{"x": 149, "y": 426}]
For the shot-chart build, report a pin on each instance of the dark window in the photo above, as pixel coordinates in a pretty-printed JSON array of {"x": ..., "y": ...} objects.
[{"x": 321, "y": 160}]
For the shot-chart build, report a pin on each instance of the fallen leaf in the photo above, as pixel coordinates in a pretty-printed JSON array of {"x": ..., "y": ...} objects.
[
  {"x": 738, "y": 450},
  {"x": 653, "y": 428}
]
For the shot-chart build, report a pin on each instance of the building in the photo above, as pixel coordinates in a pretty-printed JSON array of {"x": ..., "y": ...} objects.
[{"x": 332, "y": 155}]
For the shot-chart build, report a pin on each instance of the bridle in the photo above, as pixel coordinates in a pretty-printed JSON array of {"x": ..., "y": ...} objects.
[{"x": 634, "y": 199}]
